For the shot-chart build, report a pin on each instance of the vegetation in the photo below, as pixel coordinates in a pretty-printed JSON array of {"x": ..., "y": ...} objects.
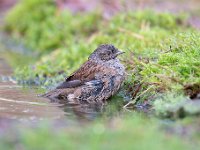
[
  {"x": 162, "y": 59},
  {"x": 133, "y": 132}
]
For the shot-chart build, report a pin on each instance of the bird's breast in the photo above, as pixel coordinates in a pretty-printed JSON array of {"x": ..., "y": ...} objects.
[{"x": 117, "y": 66}]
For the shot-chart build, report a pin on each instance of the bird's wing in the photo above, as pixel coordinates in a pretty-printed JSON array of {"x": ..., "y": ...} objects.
[
  {"x": 84, "y": 74},
  {"x": 69, "y": 84}
]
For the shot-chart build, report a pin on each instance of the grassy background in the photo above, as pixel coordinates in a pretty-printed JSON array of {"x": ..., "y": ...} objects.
[{"x": 162, "y": 55}]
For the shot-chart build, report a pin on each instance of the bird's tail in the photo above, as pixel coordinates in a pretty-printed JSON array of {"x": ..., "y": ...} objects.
[
  {"x": 61, "y": 94},
  {"x": 51, "y": 94}
]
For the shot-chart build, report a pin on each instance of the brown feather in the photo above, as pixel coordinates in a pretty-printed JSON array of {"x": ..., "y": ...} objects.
[{"x": 86, "y": 72}]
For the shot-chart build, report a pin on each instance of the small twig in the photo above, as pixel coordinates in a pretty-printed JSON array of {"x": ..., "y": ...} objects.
[
  {"x": 161, "y": 76},
  {"x": 24, "y": 102},
  {"x": 10, "y": 86},
  {"x": 19, "y": 101},
  {"x": 163, "y": 67},
  {"x": 137, "y": 90},
  {"x": 135, "y": 99},
  {"x": 170, "y": 49},
  {"x": 136, "y": 35},
  {"x": 128, "y": 110}
]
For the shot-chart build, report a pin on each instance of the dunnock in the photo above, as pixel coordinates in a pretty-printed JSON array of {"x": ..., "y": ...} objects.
[{"x": 95, "y": 81}]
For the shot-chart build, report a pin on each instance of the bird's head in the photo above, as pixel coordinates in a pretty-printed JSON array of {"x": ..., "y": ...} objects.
[{"x": 105, "y": 52}]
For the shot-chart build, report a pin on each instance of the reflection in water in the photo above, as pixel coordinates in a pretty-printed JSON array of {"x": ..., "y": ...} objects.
[{"x": 82, "y": 111}]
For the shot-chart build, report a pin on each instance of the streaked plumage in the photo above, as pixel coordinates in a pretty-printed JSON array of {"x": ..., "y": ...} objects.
[{"x": 95, "y": 81}]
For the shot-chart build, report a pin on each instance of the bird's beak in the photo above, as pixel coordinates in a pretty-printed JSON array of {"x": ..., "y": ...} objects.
[{"x": 119, "y": 52}]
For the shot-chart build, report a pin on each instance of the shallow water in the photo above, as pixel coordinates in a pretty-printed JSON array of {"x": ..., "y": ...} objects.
[{"x": 19, "y": 103}]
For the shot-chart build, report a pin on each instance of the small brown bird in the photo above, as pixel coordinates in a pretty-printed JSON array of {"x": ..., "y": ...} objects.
[{"x": 95, "y": 81}]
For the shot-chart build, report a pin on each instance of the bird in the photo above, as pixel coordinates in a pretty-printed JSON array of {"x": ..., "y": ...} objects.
[{"x": 99, "y": 78}]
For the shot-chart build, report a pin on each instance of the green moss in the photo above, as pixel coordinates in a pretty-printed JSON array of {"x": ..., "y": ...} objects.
[
  {"x": 27, "y": 20},
  {"x": 179, "y": 65},
  {"x": 42, "y": 27},
  {"x": 175, "y": 105}
]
